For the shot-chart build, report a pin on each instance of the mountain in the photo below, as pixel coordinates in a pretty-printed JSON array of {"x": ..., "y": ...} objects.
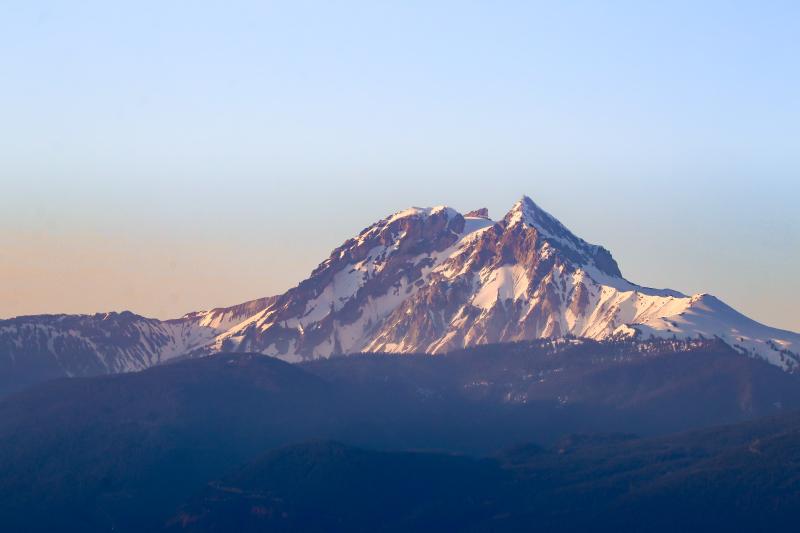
[
  {"x": 431, "y": 280},
  {"x": 126, "y": 452},
  {"x": 89, "y": 454},
  {"x": 423, "y": 280},
  {"x": 645, "y": 387},
  {"x": 734, "y": 478},
  {"x": 40, "y": 347}
]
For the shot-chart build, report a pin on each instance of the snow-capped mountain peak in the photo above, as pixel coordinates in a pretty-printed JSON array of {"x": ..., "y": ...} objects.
[
  {"x": 420, "y": 280},
  {"x": 526, "y": 212}
]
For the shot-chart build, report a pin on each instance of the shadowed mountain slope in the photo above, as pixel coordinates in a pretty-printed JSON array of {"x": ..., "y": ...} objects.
[
  {"x": 122, "y": 452},
  {"x": 734, "y": 478}
]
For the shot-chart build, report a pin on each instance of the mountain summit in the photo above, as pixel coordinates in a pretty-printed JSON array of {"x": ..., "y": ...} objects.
[
  {"x": 526, "y": 213},
  {"x": 420, "y": 280}
]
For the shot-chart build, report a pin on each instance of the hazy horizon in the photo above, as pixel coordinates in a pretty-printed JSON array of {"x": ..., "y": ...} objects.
[{"x": 170, "y": 158}]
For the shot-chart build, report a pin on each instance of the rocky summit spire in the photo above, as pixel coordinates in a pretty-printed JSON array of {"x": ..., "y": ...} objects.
[
  {"x": 478, "y": 213},
  {"x": 527, "y": 213}
]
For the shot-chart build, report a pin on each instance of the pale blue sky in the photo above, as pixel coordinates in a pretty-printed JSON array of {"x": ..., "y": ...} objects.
[{"x": 169, "y": 156}]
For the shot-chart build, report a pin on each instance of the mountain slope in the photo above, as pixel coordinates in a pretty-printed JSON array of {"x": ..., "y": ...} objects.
[
  {"x": 40, "y": 347},
  {"x": 421, "y": 280},
  {"x": 733, "y": 478},
  {"x": 123, "y": 452},
  {"x": 430, "y": 280},
  {"x": 92, "y": 454}
]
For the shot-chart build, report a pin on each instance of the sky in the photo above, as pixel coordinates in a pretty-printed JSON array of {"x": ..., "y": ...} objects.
[{"x": 165, "y": 157}]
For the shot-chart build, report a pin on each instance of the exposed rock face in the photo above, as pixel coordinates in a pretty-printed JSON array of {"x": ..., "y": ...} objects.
[
  {"x": 422, "y": 280},
  {"x": 351, "y": 292},
  {"x": 478, "y": 213}
]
